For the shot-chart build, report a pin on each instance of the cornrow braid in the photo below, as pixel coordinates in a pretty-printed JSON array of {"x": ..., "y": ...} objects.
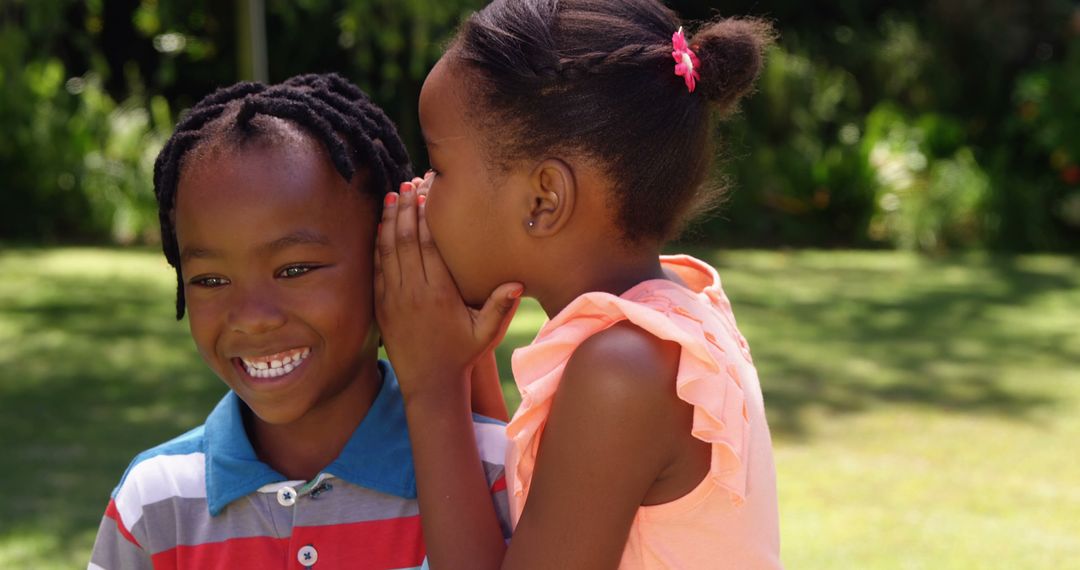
[
  {"x": 355, "y": 132},
  {"x": 568, "y": 68}
]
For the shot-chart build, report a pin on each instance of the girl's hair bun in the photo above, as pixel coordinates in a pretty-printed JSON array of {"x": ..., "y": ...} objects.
[{"x": 731, "y": 53}]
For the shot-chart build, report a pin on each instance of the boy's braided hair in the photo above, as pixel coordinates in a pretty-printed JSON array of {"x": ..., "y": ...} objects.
[{"x": 355, "y": 132}]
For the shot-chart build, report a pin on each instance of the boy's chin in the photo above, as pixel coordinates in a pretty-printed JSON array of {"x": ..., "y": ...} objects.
[{"x": 274, "y": 415}]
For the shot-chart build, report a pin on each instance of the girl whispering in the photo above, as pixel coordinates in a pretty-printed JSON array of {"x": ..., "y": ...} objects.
[{"x": 569, "y": 140}]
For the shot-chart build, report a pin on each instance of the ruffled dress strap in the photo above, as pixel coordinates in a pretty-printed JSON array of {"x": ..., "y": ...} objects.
[{"x": 697, "y": 317}]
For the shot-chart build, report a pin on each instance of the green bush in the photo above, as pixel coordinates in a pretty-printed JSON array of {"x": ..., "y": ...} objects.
[
  {"x": 76, "y": 165},
  {"x": 1045, "y": 130},
  {"x": 796, "y": 170},
  {"x": 908, "y": 124},
  {"x": 931, "y": 193}
]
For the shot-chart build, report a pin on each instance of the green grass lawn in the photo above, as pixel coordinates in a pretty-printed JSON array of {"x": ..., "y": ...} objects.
[{"x": 926, "y": 413}]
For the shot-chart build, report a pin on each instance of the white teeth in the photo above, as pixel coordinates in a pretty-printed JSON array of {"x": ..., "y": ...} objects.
[{"x": 275, "y": 368}]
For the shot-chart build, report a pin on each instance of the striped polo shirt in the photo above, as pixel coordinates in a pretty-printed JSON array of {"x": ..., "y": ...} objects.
[{"x": 205, "y": 501}]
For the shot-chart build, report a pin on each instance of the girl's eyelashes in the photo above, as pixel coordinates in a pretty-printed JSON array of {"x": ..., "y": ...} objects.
[{"x": 209, "y": 281}]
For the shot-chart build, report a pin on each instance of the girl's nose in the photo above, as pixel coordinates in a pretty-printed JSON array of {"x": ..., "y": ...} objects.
[{"x": 254, "y": 313}]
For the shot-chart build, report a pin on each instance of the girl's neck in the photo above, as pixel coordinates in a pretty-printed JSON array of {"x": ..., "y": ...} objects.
[{"x": 607, "y": 273}]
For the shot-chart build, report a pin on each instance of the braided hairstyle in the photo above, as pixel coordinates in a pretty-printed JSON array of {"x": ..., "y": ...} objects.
[
  {"x": 355, "y": 132},
  {"x": 596, "y": 78}
]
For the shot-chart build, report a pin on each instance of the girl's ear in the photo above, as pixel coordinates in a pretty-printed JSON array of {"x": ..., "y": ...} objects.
[{"x": 552, "y": 194}]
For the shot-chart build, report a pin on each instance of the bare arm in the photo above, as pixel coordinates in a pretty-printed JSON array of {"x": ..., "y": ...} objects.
[
  {"x": 487, "y": 395},
  {"x": 461, "y": 529},
  {"x": 434, "y": 342},
  {"x": 611, "y": 434}
]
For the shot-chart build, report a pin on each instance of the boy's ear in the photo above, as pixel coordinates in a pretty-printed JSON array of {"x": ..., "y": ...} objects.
[{"x": 552, "y": 194}]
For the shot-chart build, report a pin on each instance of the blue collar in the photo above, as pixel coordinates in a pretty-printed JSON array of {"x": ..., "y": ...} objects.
[{"x": 377, "y": 456}]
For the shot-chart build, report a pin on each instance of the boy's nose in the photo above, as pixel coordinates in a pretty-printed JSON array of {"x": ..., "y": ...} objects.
[{"x": 255, "y": 314}]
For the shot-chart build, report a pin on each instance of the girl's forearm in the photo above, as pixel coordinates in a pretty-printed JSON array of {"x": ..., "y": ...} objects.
[
  {"x": 487, "y": 395},
  {"x": 461, "y": 529}
]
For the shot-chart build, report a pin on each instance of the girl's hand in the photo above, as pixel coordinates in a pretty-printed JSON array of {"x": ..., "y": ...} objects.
[{"x": 433, "y": 339}]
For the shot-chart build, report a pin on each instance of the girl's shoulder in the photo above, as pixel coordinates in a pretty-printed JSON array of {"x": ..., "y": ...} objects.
[
  {"x": 689, "y": 309},
  {"x": 661, "y": 344},
  {"x": 623, "y": 361}
]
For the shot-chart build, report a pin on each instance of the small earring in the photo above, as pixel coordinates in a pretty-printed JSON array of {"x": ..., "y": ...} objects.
[{"x": 532, "y": 223}]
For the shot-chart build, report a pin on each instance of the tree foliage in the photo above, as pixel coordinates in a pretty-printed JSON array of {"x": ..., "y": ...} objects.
[{"x": 912, "y": 124}]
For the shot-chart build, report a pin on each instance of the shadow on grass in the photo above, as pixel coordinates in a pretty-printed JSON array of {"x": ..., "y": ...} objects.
[
  {"x": 954, "y": 335},
  {"x": 95, "y": 370}
]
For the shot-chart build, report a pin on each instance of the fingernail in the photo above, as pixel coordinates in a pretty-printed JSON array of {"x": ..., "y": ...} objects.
[
  {"x": 516, "y": 293},
  {"x": 421, "y": 199},
  {"x": 390, "y": 200},
  {"x": 404, "y": 187}
]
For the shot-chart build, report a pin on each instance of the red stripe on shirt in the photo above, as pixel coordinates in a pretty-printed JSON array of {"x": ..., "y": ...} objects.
[
  {"x": 390, "y": 543},
  {"x": 253, "y": 552},
  {"x": 499, "y": 484},
  {"x": 114, "y": 514}
]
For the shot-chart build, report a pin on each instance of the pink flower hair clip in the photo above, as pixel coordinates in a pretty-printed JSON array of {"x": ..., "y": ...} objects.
[{"x": 686, "y": 61}]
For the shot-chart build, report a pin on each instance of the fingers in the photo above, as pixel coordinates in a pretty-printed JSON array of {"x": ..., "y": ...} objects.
[
  {"x": 495, "y": 316},
  {"x": 378, "y": 275},
  {"x": 434, "y": 267},
  {"x": 386, "y": 254},
  {"x": 424, "y": 184},
  {"x": 407, "y": 241}
]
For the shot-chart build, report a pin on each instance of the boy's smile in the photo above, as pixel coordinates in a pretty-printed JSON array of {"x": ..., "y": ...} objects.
[
  {"x": 275, "y": 365},
  {"x": 276, "y": 256}
]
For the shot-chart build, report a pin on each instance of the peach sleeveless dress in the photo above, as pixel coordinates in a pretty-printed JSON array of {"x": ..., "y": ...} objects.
[{"x": 730, "y": 520}]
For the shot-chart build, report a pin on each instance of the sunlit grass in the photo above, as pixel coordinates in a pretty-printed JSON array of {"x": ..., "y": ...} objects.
[{"x": 925, "y": 412}]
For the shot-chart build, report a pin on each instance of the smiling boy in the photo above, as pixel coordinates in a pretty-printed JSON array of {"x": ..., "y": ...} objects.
[{"x": 269, "y": 198}]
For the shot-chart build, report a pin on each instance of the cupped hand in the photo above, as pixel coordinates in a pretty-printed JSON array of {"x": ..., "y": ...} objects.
[{"x": 432, "y": 337}]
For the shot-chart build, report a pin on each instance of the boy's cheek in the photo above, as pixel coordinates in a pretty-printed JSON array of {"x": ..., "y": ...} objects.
[
  {"x": 197, "y": 335},
  {"x": 202, "y": 332}
]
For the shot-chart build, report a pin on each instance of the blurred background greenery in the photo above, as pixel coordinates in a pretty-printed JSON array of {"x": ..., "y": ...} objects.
[
  {"x": 914, "y": 124},
  {"x": 924, "y": 395}
]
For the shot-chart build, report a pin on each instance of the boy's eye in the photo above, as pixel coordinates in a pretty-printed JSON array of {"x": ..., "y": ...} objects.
[
  {"x": 209, "y": 282},
  {"x": 295, "y": 270}
]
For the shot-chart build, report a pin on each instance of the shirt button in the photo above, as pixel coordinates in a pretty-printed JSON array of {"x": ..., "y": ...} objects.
[
  {"x": 307, "y": 555},
  {"x": 286, "y": 496}
]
